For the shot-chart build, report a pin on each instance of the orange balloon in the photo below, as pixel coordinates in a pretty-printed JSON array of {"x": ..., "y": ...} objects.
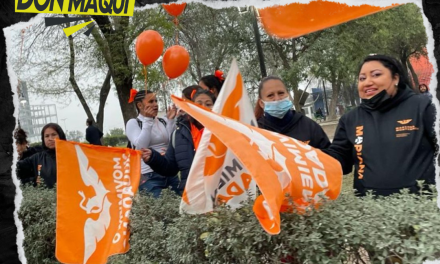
[
  {"x": 149, "y": 46},
  {"x": 174, "y": 9},
  {"x": 175, "y": 61}
]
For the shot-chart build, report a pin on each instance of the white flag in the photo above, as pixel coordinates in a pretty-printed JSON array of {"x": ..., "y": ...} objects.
[{"x": 216, "y": 175}]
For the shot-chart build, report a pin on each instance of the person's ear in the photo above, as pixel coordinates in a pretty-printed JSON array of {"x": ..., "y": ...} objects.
[{"x": 261, "y": 103}]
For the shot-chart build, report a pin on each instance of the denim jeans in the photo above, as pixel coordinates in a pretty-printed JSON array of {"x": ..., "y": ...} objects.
[{"x": 153, "y": 183}]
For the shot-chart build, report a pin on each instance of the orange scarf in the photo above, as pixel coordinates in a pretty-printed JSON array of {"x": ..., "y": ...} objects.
[{"x": 196, "y": 135}]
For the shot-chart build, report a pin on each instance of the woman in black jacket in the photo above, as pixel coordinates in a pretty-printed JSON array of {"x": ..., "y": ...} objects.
[
  {"x": 274, "y": 112},
  {"x": 42, "y": 165},
  {"x": 390, "y": 138},
  {"x": 183, "y": 145}
]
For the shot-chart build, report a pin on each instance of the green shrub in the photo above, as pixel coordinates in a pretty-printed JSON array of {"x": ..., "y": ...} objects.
[
  {"x": 38, "y": 216},
  {"x": 403, "y": 228},
  {"x": 35, "y": 144},
  {"x": 118, "y": 140}
]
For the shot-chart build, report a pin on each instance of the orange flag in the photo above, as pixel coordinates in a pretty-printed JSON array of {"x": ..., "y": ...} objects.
[
  {"x": 296, "y": 19},
  {"x": 212, "y": 176},
  {"x": 95, "y": 189},
  {"x": 281, "y": 166}
]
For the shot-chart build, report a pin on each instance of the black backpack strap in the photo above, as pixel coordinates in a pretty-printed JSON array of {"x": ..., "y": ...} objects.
[
  {"x": 162, "y": 121},
  {"x": 139, "y": 122},
  {"x": 129, "y": 145}
]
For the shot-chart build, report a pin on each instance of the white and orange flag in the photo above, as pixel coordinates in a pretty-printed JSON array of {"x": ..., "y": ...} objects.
[
  {"x": 281, "y": 166},
  {"x": 95, "y": 189},
  {"x": 216, "y": 175}
]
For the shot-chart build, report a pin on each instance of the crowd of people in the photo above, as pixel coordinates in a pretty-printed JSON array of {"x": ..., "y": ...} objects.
[{"x": 389, "y": 139}]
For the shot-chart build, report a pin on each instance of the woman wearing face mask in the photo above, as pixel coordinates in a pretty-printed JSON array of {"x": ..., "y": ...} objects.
[
  {"x": 184, "y": 143},
  {"x": 149, "y": 131},
  {"x": 390, "y": 137},
  {"x": 274, "y": 112},
  {"x": 42, "y": 165}
]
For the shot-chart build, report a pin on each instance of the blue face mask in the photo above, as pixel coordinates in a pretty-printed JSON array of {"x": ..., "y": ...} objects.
[{"x": 278, "y": 108}]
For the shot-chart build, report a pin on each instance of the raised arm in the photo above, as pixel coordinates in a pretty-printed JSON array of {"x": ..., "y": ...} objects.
[{"x": 138, "y": 137}]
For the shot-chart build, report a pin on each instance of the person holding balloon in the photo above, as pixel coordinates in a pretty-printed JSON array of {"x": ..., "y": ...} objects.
[
  {"x": 149, "y": 131},
  {"x": 184, "y": 143}
]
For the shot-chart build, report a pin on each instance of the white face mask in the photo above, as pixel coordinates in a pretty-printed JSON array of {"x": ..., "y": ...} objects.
[{"x": 278, "y": 108}]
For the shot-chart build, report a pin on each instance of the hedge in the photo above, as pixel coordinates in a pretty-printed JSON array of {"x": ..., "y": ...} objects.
[
  {"x": 401, "y": 228},
  {"x": 113, "y": 141}
]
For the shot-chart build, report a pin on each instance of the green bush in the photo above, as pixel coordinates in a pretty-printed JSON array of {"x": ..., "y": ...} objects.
[
  {"x": 402, "y": 228},
  {"x": 35, "y": 144},
  {"x": 114, "y": 141},
  {"x": 38, "y": 216}
]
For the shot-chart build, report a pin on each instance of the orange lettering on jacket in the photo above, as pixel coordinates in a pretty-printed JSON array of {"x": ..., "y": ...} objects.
[{"x": 358, "y": 147}]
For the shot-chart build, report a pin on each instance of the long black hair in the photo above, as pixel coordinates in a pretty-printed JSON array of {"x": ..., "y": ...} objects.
[
  {"x": 213, "y": 82},
  {"x": 393, "y": 65}
]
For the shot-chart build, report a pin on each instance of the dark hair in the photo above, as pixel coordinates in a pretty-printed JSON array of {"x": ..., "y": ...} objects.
[
  {"x": 203, "y": 91},
  {"x": 188, "y": 91},
  {"x": 212, "y": 82},
  {"x": 139, "y": 97},
  {"x": 426, "y": 86},
  {"x": 55, "y": 127},
  {"x": 258, "y": 111},
  {"x": 20, "y": 136},
  {"x": 391, "y": 64},
  {"x": 89, "y": 121}
]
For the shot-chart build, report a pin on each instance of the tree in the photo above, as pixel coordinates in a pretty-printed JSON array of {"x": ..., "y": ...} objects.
[
  {"x": 116, "y": 132},
  {"x": 76, "y": 136},
  {"x": 399, "y": 32},
  {"x": 213, "y": 42},
  {"x": 106, "y": 56}
]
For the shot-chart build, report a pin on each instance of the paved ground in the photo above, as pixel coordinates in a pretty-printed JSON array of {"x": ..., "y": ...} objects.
[{"x": 329, "y": 128}]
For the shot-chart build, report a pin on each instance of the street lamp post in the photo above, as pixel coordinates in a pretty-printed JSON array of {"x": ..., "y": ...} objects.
[
  {"x": 254, "y": 12},
  {"x": 258, "y": 42}
]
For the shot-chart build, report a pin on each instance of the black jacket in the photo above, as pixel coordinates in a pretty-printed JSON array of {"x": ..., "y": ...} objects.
[
  {"x": 93, "y": 135},
  {"x": 27, "y": 169},
  {"x": 391, "y": 146},
  {"x": 178, "y": 157},
  {"x": 41, "y": 164},
  {"x": 31, "y": 151},
  {"x": 297, "y": 126}
]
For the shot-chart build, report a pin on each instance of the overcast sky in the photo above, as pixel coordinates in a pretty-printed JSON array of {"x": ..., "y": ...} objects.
[{"x": 73, "y": 117}]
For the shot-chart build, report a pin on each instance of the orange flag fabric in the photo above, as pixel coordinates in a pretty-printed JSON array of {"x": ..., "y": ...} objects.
[
  {"x": 280, "y": 165},
  {"x": 216, "y": 175},
  {"x": 95, "y": 189},
  {"x": 296, "y": 19}
]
